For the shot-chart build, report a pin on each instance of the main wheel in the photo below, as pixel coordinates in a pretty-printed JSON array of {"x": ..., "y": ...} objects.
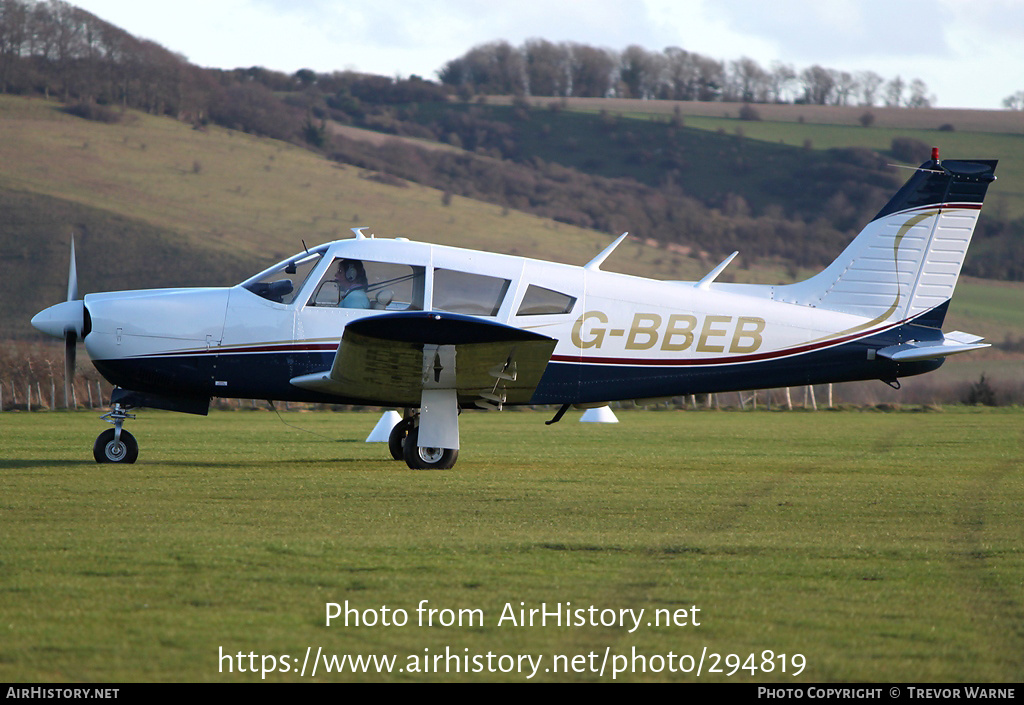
[
  {"x": 107, "y": 450},
  {"x": 427, "y": 458},
  {"x": 396, "y": 441}
]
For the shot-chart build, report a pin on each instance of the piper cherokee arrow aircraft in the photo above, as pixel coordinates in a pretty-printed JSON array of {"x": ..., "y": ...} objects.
[{"x": 434, "y": 329}]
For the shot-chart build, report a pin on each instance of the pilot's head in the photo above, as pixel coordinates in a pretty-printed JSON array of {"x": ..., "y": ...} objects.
[{"x": 351, "y": 273}]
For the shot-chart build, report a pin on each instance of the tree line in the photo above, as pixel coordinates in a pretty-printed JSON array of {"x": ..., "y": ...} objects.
[{"x": 542, "y": 68}]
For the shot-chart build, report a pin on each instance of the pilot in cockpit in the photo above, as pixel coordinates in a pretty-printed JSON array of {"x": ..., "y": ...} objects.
[{"x": 352, "y": 283}]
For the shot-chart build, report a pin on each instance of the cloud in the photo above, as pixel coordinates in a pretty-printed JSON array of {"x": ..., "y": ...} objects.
[{"x": 835, "y": 31}]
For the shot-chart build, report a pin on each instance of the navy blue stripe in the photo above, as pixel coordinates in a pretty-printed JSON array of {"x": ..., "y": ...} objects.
[{"x": 266, "y": 376}]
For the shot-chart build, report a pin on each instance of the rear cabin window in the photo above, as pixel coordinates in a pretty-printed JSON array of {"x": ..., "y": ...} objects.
[
  {"x": 472, "y": 294},
  {"x": 383, "y": 286},
  {"x": 539, "y": 301}
]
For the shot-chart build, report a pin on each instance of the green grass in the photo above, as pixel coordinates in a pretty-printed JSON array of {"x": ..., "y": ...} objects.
[
  {"x": 882, "y": 546},
  {"x": 998, "y": 307}
]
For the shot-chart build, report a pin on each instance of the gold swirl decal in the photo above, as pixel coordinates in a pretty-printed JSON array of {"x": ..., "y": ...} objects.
[{"x": 904, "y": 229}]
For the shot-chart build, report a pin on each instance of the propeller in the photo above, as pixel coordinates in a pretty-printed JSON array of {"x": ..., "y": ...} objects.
[
  {"x": 66, "y": 320},
  {"x": 70, "y": 332}
]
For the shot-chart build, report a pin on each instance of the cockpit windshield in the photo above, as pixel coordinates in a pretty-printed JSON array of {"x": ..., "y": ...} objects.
[{"x": 282, "y": 282}]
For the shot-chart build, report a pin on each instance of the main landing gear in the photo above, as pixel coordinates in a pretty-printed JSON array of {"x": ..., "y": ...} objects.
[
  {"x": 115, "y": 445},
  {"x": 403, "y": 445}
]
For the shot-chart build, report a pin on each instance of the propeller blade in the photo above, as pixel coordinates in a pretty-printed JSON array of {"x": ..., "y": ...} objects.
[
  {"x": 72, "y": 274},
  {"x": 70, "y": 350}
]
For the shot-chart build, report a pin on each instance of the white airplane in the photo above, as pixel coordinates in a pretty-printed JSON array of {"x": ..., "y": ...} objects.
[{"x": 434, "y": 329}]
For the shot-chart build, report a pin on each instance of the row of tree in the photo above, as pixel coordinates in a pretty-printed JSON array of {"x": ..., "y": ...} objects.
[{"x": 544, "y": 68}]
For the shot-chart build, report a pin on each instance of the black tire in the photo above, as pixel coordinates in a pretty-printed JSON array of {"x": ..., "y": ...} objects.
[
  {"x": 106, "y": 450},
  {"x": 396, "y": 441},
  {"x": 427, "y": 458}
]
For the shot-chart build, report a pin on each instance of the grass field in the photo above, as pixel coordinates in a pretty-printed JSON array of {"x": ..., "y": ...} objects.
[{"x": 880, "y": 546}]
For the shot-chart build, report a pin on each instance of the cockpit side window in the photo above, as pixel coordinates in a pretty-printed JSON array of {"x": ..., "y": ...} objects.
[
  {"x": 538, "y": 301},
  {"x": 364, "y": 284},
  {"x": 472, "y": 294},
  {"x": 282, "y": 283}
]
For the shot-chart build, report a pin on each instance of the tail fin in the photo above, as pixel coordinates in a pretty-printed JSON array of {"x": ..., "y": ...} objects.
[{"x": 905, "y": 262}]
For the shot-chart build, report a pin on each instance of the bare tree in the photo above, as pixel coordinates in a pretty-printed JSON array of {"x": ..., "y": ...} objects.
[
  {"x": 547, "y": 67},
  {"x": 13, "y": 36},
  {"x": 846, "y": 87},
  {"x": 633, "y": 64},
  {"x": 591, "y": 71},
  {"x": 749, "y": 81},
  {"x": 680, "y": 74},
  {"x": 919, "y": 97},
  {"x": 869, "y": 85},
  {"x": 780, "y": 81},
  {"x": 1015, "y": 101},
  {"x": 818, "y": 84},
  {"x": 710, "y": 78},
  {"x": 894, "y": 92}
]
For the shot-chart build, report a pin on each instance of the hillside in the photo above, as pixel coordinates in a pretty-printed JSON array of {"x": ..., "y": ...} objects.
[
  {"x": 153, "y": 202},
  {"x": 788, "y": 190},
  {"x": 959, "y": 132}
]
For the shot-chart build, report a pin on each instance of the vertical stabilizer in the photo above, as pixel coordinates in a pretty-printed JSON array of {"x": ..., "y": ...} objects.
[{"x": 906, "y": 261}]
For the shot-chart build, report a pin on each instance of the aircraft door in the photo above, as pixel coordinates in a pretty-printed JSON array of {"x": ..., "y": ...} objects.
[{"x": 548, "y": 303}]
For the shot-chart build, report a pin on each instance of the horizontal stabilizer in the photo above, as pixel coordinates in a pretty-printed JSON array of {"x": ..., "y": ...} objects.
[{"x": 951, "y": 344}]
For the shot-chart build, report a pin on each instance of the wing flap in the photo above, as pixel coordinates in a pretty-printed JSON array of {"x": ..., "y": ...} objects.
[{"x": 392, "y": 358}]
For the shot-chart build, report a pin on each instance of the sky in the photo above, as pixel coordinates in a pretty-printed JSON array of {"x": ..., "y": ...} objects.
[{"x": 970, "y": 53}]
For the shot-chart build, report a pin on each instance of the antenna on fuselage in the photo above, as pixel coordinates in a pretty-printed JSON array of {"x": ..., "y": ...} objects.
[
  {"x": 359, "y": 232},
  {"x": 595, "y": 263},
  {"x": 713, "y": 274}
]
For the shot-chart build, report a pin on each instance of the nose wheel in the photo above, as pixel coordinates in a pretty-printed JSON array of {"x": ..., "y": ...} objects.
[{"x": 115, "y": 445}]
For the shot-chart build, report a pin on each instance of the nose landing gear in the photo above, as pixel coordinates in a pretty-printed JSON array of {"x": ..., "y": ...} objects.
[{"x": 115, "y": 445}]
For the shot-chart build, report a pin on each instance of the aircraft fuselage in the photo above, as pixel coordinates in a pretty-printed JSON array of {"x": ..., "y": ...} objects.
[{"x": 624, "y": 337}]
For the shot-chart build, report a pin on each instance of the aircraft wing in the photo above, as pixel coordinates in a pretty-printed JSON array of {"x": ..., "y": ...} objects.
[{"x": 391, "y": 358}]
